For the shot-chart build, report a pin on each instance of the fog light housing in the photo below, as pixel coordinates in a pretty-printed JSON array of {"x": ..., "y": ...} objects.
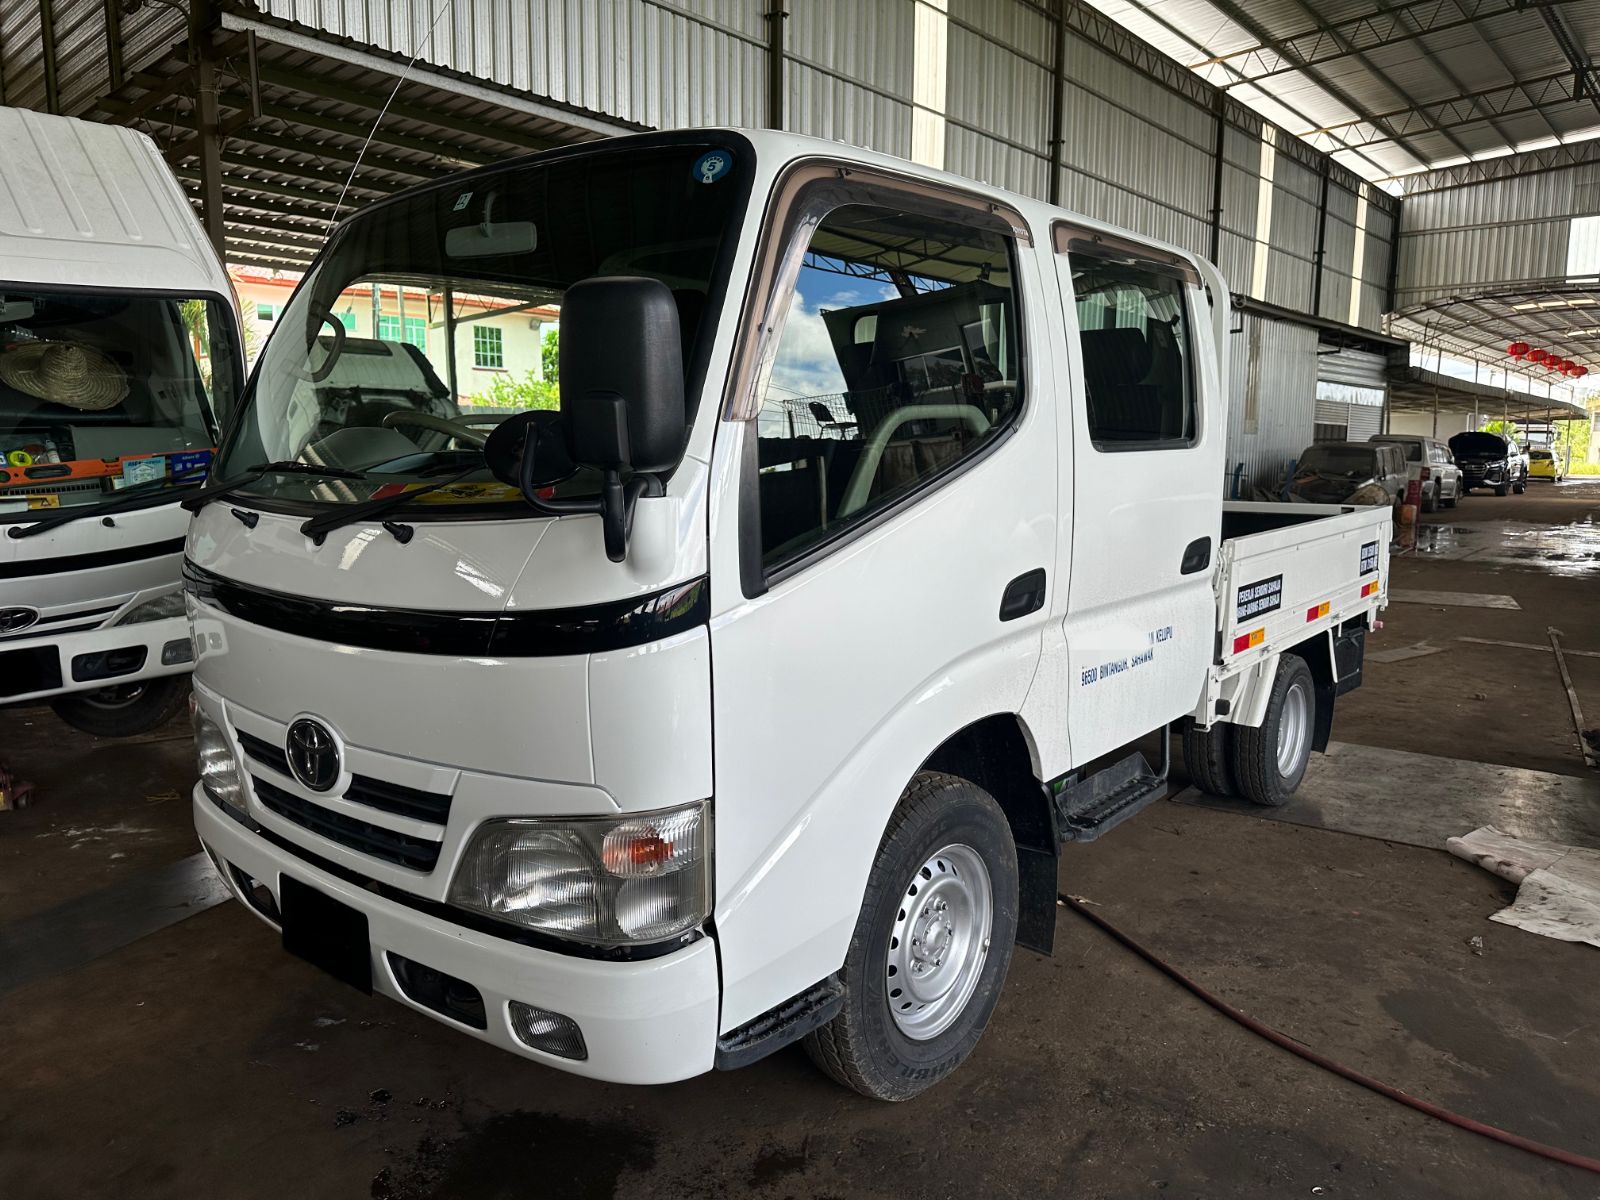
[
  {"x": 551, "y": 1032},
  {"x": 179, "y": 650}
]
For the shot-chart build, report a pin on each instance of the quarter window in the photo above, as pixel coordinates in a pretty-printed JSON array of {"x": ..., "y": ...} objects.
[
  {"x": 899, "y": 358},
  {"x": 1133, "y": 329},
  {"x": 488, "y": 348}
]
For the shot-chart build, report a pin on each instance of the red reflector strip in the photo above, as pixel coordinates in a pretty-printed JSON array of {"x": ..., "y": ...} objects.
[
  {"x": 1246, "y": 640},
  {"x": 1369, "y": 588},
  {"x": 1317, "y": 611}
]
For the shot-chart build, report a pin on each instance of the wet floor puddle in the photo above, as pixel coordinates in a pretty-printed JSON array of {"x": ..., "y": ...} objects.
[{"x": 1568, "y": 550}]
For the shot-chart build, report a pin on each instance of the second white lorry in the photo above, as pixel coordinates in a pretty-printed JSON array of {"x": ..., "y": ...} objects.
[{"x": 751, "y": 696}]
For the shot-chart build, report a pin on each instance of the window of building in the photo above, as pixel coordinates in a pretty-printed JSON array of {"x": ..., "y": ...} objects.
[
  {"x": 416, "y": 330},
  {"x": 899, "y": 359},
  {"x": 1133, "y": 328},
  {"x": 488, "y": 348},
  {"x": 265, "y": 312},
  {"x": 348, "y": 320}
]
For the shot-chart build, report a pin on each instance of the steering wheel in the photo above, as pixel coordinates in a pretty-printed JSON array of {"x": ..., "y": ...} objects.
[
  {"x": 464, "y": 434},
  {"x": 320, "y": 373}
]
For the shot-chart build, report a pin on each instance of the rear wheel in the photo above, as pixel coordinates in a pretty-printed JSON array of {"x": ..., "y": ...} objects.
[
  {"x": 1269, "y": 762},
  {"x": 1430, "y": 499},
  {"x": 124, "y": 709},
  {"x": 932, "y": 944},
  {"x": 1206, "y": 754}
]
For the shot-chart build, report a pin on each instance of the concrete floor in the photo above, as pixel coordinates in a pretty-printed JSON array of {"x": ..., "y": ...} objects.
[{"x": 200, "y": 1060}]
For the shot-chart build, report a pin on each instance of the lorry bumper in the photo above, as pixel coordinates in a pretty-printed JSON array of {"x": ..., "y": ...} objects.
[
  {"x": 650, "y": 1021},
  {"x": 39, "y": 668}
]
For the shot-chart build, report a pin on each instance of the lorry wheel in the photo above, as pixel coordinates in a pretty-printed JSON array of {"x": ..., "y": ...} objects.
[
  {"x": 1269, "y": 762},
  {"x": 1206, "y": 754},
  {"x": 126, "y": 709},
  {"x": 932, "y": 944}
]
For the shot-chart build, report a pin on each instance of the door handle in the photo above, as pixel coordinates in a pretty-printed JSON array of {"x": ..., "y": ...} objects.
[
  {"x": 1023, "y": 595},
  {"x": 1196, "y": 556}
]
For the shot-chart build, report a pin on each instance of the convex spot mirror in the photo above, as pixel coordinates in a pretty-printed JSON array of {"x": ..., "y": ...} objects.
[{"x": 552, "y": 463}]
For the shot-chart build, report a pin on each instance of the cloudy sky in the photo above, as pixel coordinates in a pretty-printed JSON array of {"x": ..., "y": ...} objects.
[{"x": 806, "y": 364}]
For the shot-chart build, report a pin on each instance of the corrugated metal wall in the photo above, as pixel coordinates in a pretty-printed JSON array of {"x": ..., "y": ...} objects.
[
  {"x": 1492, "y": 235},
  {"x": 1272, "y": 386}
]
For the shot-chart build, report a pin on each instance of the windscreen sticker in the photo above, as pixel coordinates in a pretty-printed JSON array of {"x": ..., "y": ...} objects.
[
  {"x": 462, "y": 201},
  {"x": 143, "y": 470},
  {"x": 712, "y": 165},
  {"x": 1369, "y": 558},
  {"x": 1256, "y": 598}
]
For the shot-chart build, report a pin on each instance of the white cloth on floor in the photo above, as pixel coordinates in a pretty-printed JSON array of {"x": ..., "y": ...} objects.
[{"x": 1558, "y": 892}]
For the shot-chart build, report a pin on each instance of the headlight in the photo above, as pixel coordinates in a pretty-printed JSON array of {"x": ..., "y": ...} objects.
[
  {"x": 219, "y": 770},
  {"x": 159, "y": 609},
  {"x": 615, "y": 881}
]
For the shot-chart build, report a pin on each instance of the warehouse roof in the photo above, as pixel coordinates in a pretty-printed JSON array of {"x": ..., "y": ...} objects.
[{"x": 1392, "y": 87}]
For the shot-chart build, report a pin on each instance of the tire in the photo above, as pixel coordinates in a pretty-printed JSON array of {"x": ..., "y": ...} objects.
[
  {"x": 124, "y": 710},
  {"x": 1502, "y": 489},
  {"x": 949, "y": 841},
  {"x": 1520, "y": 486},
  {"x": 1455, "y": 497},
  {"x": 1270, "y": 762},
  {"x": 1430, "y": 499},
  {"x": 1206, "y": 756}
]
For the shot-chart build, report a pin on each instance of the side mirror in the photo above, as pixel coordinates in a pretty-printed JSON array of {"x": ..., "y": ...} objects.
[{"x": 622, "y": 401}]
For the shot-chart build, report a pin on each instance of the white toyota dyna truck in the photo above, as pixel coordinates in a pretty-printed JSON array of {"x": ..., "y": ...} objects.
[
  {"x": 119, "y": 348},
  {"x": 749, "y": 696}
]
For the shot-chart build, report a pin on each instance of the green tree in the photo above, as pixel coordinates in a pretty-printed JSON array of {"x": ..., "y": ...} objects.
[
  {"x": 550, "y": 354},
  {"x": 518, "y": 395}
]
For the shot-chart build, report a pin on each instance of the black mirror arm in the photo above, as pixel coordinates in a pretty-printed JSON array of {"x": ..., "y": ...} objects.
[{"x": 614, "y": 505}]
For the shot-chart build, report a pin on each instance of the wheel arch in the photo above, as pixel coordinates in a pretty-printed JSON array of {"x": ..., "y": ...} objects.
[{"x": 997, "y": 754}]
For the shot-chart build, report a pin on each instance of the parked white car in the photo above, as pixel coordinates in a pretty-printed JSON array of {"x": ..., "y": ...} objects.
[{"x": 1430, "y": 462}]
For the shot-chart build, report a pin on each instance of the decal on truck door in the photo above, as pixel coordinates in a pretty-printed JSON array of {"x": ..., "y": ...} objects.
[
  {"x": 1263, "y": 596},
  {"x": 1369, "y": 557}
]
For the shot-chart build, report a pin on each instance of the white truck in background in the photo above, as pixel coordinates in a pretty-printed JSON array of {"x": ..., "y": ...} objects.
[
  {"x": 750, "y": 697},
  {"x": 119, "y": 346}
]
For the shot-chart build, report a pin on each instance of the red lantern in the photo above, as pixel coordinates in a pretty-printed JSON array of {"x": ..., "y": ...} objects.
[
  {"x": 1565, "y": 366},
  {"x": 1535, "y": 356},
  {"x": 1579, "y": 371},
  {"x": 1517, "y": 349}
]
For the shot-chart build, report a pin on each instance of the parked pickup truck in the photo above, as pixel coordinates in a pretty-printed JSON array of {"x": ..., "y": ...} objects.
[{"x": 750, "y": 697}]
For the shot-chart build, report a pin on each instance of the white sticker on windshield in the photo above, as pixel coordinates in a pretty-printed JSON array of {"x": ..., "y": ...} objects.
[{"x": 462, "y": 201}]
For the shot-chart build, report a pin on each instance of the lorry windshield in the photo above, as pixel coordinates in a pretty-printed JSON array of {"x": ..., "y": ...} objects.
[
  {"x": 433, "y": 317},
  {"x": 102, "y": 392}
]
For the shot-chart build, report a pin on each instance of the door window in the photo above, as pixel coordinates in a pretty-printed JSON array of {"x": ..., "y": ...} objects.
[
  {"x": 898, "y": 360},
  {"x": 1133, "y": 329}
]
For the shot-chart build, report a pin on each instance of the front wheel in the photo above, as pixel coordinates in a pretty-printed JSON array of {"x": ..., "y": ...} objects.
[
  {"x": 1502, "y": 489},
  {"x": 1521, "y": 485},
  {"x": 932, "y": 944},
  {"x": 1269, "y": 762},
  {"x": 1455, "y": 498},
  {"x": 124, "y": 709}
]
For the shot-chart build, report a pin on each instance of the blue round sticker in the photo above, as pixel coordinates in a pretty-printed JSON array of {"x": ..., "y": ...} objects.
[{"x": 712, "y": 165}]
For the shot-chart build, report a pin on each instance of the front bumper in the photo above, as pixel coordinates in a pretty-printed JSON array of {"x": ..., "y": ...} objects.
[
  {"x": 653, "y": 1021},
  {"x": 38, "y": 668}
]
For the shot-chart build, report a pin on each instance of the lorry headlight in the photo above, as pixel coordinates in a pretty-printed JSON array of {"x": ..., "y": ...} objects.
[
  {"x": 219, "y": 770},
  {"x": 159, "y": 609},
  {"x": 615, "y": 881}
]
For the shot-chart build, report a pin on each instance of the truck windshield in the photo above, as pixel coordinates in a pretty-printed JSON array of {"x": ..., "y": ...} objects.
[
  {"x": 433, "y": 317},
  {"x": 1339, "y": 460},
  {"x": 102, "y": 392}
]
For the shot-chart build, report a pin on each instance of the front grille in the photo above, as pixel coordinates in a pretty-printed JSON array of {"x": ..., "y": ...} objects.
[
  {"x": 419, "y": 854},
  {"x": 264, "y": 752},
  {"x": 364, "y": 789},
  {"x": 67, "y": 622},
  {"x": 398, "y": 799}
]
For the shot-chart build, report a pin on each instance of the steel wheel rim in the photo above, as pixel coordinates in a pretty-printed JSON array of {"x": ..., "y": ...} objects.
[
  {"x": 940, "y": 942},
  {"x": 117, "y": 696},
  {"x": 1294, "y": 728}
]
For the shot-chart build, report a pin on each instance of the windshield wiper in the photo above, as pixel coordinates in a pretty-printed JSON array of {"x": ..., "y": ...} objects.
[
  {"x": 117, "y": 502},
  {"x": 318, "y": 528},
  {"x": 216, "y": 491}
]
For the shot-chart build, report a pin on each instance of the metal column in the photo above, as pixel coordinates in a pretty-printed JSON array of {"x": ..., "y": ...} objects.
[
  {"x": 776, "y": 16},
  {"x": 1058, "y": 116},
  {"x": 203, "y": 22}
]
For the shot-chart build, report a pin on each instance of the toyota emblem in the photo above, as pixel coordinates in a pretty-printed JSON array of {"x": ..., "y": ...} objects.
[
  {"x": 15, "y": 620},
  {"x": 313, "y": 754}
]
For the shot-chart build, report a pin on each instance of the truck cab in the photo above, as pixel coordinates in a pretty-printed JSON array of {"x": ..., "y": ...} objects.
[
  {"x": 750, "y": 695},
  {"x": 119, "y": 350}
]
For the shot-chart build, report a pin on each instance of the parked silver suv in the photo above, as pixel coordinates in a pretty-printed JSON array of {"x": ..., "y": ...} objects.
[{"x": 1431, "y": 462}]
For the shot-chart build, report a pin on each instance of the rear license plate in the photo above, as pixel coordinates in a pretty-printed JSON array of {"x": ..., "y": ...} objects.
[{"x": 325, "y": 933}]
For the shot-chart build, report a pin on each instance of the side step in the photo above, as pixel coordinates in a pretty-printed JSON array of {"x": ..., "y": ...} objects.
[{"x": 1098, "y": 804}]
